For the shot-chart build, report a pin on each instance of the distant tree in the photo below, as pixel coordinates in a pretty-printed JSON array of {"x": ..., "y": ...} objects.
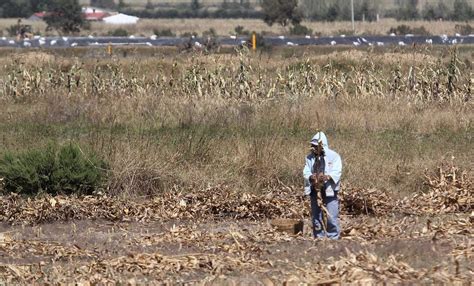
[
  {"x": 408, "y": 10},
  {"x": 108, "y": 4},
  {"x": 245, "y": 3},
  {"x": 15, "y": 8},
  {"x": 429, "y": 12},
  {"x": 345, "y": 12},
  {"x": 64, "y": 16},
  {"x": 333, "y": 12},
  {"x": 283, "y": 12},
  {"x": 38, "y": 5},
  {"x": 440, "y": 11},
  {"x": 121, "y": 5},
  {"x": 367, "y": 11},
  {"x": 195, "y": 5},
  {"x": 149, "y": 5},
  {"x": 462, "y": 11}
]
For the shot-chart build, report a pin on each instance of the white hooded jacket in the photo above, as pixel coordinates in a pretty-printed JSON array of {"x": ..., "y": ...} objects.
[{"x": 333, "y": 167}]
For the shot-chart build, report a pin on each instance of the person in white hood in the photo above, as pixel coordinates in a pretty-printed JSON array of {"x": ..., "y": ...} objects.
[{"x": 322, "y": 173}]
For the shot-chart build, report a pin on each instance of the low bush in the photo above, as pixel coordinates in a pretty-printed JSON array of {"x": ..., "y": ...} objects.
[
  {"x": 464, "y": 29},
  {"x": 420, "y": 31},
  {"x": 210, "y": 33},
  {"x": 54, "y": 169},
  {"x": 189, "y": 34},
  {"x": 163, "y": 33},
  {"x": 300, "y": 30},
  {"x": 345, "y": 32},
  {"x": 119, "y": 32},
  {"x": 240, "y": 30},
  {"x": 404, "y": 29},
  {"x": 12, "y": 30}
]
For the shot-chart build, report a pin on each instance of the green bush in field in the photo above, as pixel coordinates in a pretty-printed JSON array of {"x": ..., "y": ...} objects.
[
  {"x": 163, "y": 33},
  {"x": 300, "y": 30},
  {"x": 54, "y": 169},
  {"x": 404, "y": 29},
  {"x": 464, "y": 29},
  {"x": 119, "y": 32},
  {"x": 210, "y": 33}
]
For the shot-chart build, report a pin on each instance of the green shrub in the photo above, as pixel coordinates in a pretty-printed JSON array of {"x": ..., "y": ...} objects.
[
  {"x": 53, "y": 170},
  {"x": 346, "y": 32},
  {"x": 300, "y": 30},
  {"x": 210, "y": 33},
  {"x": 420, "y": 31},
  {"x": 119, "y": 32},
  {"x": 404, "y": 29},
  {"x": 240, "y": 31},
  {"x": 462, "y": 11},
  {"x": 432, "y": 12},
  {"x": 189, "y": 34},
  {"x": 400, "y": 30},
  {"x": 464, "y": 29},
  {"x": 12, "y": 30},
  {"x": 163, "y": 33}
]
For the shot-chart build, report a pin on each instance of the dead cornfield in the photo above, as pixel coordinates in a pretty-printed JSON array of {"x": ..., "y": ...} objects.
[
  {"x": 203, "y": 152},
  {"x": 217, "y": 235}
]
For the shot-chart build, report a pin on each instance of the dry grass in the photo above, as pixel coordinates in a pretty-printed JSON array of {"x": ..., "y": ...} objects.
[
  {"x": 227, "y": 119},
  {"x": 218, "y": 235},
  {"x": 205, "y": 149},
  {"x": 226, "y": 26}
]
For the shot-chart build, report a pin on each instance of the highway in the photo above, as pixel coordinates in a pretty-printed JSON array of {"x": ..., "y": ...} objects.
[{"x": 407, "y": 40}]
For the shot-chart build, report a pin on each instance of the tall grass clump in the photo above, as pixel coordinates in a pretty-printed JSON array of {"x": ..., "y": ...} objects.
[{"x": 53, "y": 169}]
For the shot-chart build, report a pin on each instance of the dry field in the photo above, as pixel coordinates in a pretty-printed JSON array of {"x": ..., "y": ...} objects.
[
  {"x": 205, "y": 149},
  {"x": 226, "y": 27}
]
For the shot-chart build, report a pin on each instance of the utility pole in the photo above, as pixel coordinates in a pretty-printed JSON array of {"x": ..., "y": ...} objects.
[{"x": 352, "y": 15}]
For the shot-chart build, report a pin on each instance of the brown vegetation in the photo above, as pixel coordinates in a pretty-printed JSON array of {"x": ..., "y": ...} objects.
[
  {"x": 227, "y": 118},
  {"x": 226, "y": 27},
  {"x": 218, "y": 234},
  {"x": 204, "y": 149}
]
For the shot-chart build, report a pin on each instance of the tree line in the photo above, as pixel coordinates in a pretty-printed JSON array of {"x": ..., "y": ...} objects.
[
  {"x": 317, "y": 10},
  {"x": 25, "y": 8},
  {"x": 340, "y": 10},
  {"x": 61, "y": 15}
]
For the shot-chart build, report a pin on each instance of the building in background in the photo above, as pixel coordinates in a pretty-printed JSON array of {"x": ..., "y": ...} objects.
[
  {"x": 97, "y": 15},
  {"x": 120, "y": 19}
]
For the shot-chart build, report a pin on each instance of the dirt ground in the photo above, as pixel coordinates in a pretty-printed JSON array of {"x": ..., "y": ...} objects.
[
  {"x": 220, "y": 236},
  {"x": 235, "y": 252}
]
